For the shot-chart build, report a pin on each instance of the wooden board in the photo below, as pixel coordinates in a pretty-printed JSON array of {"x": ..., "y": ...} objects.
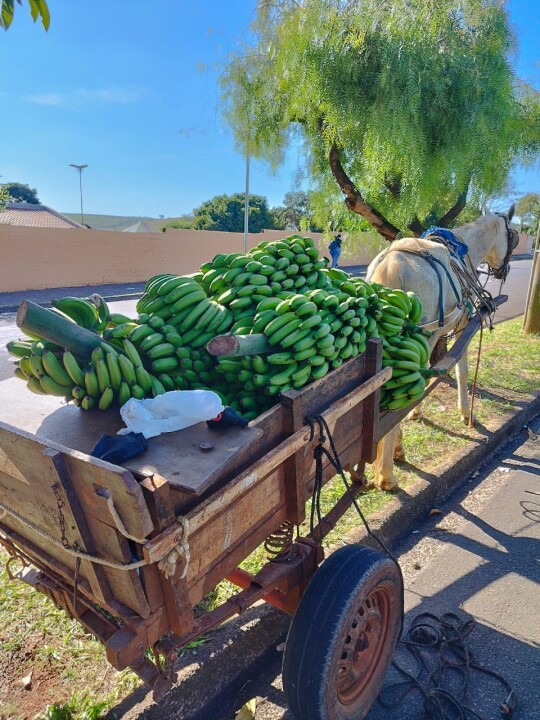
[
  {"x": 33, "y": 474},
  {"x": 176, "y": 457}
]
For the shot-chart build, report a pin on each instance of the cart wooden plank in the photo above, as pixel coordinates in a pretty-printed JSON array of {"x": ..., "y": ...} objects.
[{"x": 176, "y": 457}]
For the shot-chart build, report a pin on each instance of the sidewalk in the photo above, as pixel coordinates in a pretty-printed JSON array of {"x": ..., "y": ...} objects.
[
  {"x": 10, "y": 301},
  {"x": 227, "y": 672}
]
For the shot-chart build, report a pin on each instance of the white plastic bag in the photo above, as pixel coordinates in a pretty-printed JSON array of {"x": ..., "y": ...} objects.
[{"x": 169, "y": 412}]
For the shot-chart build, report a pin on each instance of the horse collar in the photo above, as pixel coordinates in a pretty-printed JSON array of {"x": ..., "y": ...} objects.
[{"x": 502, "y": 272}]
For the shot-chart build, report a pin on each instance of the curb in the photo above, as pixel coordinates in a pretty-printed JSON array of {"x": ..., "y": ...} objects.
[
  {"x": 230, "y": 660},
  {"x": 47, "y": 303}
]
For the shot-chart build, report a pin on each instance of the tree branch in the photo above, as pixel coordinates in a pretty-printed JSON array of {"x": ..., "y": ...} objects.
[
  {"x": 354, "y": 200},
  {"x": 454, "y": 210},
  {"x": 416, "y": 227}
]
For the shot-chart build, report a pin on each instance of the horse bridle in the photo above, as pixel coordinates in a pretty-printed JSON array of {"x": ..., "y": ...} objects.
[{"x": 502, "y": 272}]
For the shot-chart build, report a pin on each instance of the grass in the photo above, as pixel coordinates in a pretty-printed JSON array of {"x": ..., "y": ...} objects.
[{"x": 36, "y": 637}]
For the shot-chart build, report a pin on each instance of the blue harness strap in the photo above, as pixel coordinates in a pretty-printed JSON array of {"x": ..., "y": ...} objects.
[{"x": 456, "y": 247}]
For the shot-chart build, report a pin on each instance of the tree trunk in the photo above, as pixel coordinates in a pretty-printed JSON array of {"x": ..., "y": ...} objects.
[
  {"x": 354, "y": 200},
  {"x": 455, "y": 209}
]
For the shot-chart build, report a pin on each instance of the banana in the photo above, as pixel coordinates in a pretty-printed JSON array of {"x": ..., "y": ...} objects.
[
  {"x": 124, "y": 393},
  {"x": 34, "y": 386},
  {"x": 79, "y": 309},
  {"x": 283, "y": 377},
  {"x": 113, "y": 367},
  {"x": 260, "y": 366},
  {"x": 170, "y": 284},
  {"x": 144, "y": 379},
  {"x": 167, "y": 382},
  {"x": 119, "y": 319},
  {"x": 157, "y": 387},
  {"x": 164, "y": 349},
  {"x": 284, "y": 331},
  {"x": 88, "y": 402},
  {"x": 102, "y": 373},
  {"x": 395, "y": 311},
  {"x": 280, "y": 322},
  {"x": 282, "y": 358},
  {"x": 196, "y": 295},
  {"x": 54, "y": 369},
  {"x": 127, "y": 369},
  {"x": 306, "y": 354},
  {"x": 73, "y": 368},
  {"x": 310, "y": 322},
  {"x": 149, "y": 342},
  {"x": 51, "y": 387},
  {"x": 138, "y": 334},
  {"x": 19, "y": 348},
  {"x": 305, "y": 344},
  {"x": 131, "y": 352},
  {"x": 36, "y": 365},
  {"x": 106, "y": 399},
  {"x": 296, "y": 336},
  {"x": 103, "y": 312},
  {"x": 405, "y": 365},
  {"x": 320, "y": 371},
  {"x": 137, "y": 392},
  {"x": 24, "y": 367},
  {"x": 165, "y": 364},
  {"x": 210, "y": 314},
  {"x": 78, "y": 392}
]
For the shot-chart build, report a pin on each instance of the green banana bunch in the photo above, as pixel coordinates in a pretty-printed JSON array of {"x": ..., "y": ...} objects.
[{"x": 81, "y": 311}]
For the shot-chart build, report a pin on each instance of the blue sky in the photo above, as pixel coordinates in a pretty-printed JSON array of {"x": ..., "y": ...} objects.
[{"x": 129, "y": 87}]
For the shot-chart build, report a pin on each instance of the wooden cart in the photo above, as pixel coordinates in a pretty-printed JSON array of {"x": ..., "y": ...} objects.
[{"x": 130, "y": 551}]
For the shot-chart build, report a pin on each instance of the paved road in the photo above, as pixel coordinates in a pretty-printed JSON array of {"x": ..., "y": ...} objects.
[
  {"x": 478, "y": 558},
  {"x": 515, "y": 288}
]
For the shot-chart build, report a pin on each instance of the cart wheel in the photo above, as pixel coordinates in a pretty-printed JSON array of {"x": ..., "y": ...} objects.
[{"x": 343, "y": 635}]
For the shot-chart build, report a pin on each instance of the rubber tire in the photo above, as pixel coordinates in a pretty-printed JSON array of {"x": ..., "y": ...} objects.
[{"x": 321, "y": 624}]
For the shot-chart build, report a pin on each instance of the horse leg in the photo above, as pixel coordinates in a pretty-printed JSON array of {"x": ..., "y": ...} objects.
[
  {"x": 384, "y": 463},
  {"x": 462, "y": 374}
]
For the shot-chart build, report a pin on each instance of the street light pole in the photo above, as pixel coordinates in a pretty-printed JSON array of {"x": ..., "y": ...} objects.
[
  {"x": 246, "y": 206},
  {"x": 80, "y": 168}
]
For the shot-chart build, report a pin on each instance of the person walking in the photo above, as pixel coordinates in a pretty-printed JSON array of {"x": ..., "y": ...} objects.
[{"x": 335, "y": 250}]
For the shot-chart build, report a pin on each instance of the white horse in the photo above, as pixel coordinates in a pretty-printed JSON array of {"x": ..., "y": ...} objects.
[{"x": 489, "y": 239}]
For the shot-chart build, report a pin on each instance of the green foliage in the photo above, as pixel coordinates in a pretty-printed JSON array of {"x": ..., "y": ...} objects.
[
  {"x": 38, "y": 9},
  {"x": 4, "y": 198},
  {"x": 21, "y": 193},
  {"x": 418, "y": 96},
  {"x": 226, "y": 213},
  {"x": 528, "y": 210},
  {"x": 80, "y": 707},
  {"x": 296, "y": 213}
]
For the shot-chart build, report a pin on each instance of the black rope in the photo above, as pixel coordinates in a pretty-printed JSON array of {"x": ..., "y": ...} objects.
[
  {"x": 443, "y": 667},
  {"x": 445, "y": 637},
  {"x": 334, "y": 460}
]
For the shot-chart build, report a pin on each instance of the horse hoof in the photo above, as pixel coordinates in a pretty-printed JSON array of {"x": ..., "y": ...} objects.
[
  {"x": 465, "y": 419},
  {"x": 399, "y": 455},
  {"x": 415, "y": 414},
  {"x": 385, "y": 483}
]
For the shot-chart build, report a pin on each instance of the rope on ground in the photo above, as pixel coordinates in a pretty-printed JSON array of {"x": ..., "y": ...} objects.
[{"x": 443, "y": 670}]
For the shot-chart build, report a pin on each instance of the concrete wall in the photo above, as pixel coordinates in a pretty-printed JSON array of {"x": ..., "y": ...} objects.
[
  {"x": 525, "y": 245},
  {"x": 38, "y": 258}
]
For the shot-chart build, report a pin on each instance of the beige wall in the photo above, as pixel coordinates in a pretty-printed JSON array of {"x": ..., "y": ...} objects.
[{"x": 37, "y": 258}]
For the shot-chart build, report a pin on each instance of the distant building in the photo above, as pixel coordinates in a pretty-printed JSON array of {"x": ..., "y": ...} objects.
[{"x": 29, "y": 215}]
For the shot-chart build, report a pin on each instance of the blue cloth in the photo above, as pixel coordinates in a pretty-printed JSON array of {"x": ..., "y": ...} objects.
[
  {"x": 455, "y": 246},
  {"x": 118, "y": 449}
]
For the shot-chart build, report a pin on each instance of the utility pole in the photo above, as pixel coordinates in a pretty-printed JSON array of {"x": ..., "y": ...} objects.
[
  {"x": 531, "y": 319},
  {"x": 246, "y": 206},
  {"x": 80, "y": 168}
]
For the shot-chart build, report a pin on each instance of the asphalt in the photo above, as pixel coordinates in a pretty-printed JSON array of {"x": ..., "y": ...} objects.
[{"x": 10, "y": 301}]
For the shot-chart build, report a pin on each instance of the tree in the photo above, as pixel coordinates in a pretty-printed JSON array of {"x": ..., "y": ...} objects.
[
  {"x": 226, "y": 212},
  {"x": 406, "y": 104},
  {"x": 21, "y": 193},
  {"x": 38, "y": 8},
  {"x": 4, "y": 198},
  {"x": 296, "y": 213},
  {"x": 528, "y": 210}
]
